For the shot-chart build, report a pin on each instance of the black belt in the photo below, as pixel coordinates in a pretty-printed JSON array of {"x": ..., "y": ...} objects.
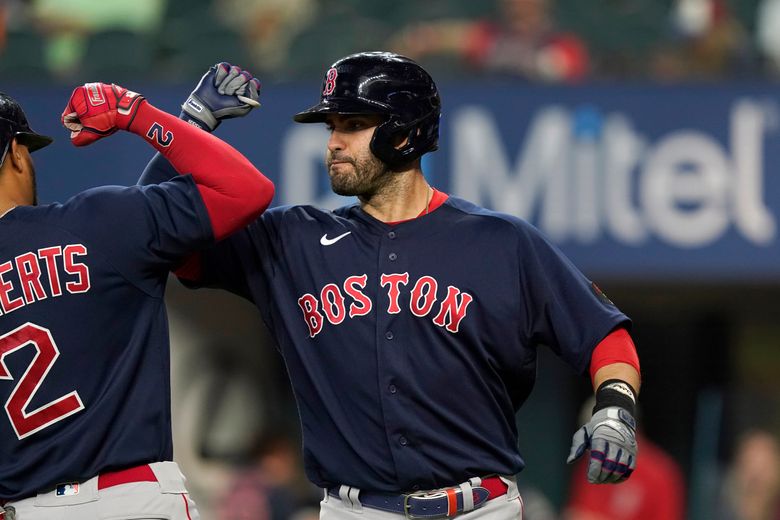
[{"x": 430, "y": 504}]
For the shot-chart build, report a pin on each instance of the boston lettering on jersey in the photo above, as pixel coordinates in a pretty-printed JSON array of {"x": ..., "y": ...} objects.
[
  {"x": 22, "y": 278},
  {"x": 424, "y": 295}
]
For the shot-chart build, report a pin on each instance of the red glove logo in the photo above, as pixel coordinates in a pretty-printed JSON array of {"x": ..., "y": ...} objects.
[
  {"x": 97, "y": 110},
  {"x": 95, "y": 94}
]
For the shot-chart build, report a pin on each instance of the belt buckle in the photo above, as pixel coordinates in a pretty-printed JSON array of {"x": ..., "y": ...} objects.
[{"x": 424, "y": 495}]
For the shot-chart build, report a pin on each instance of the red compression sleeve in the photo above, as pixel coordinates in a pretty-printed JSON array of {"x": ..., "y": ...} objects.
[
  {"x": 617, "y": 347},
  {"x": 233, "y": 190}
]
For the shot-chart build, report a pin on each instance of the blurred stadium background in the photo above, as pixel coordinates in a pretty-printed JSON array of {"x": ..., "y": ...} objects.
[{"x": 643, "y": 136}]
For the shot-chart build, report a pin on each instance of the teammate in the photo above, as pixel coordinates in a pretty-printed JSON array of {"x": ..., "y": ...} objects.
[
  {"x": 409, "y": 321},
  {"x": 84, "y": 364}
]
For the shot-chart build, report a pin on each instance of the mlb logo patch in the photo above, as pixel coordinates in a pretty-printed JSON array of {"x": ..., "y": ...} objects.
[{"x": 68, "y": 489}]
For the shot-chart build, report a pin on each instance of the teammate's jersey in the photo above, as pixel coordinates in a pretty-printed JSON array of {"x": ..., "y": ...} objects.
[
  {"x": 84, "y": 354},
  {"x": 410, "y": 347}
]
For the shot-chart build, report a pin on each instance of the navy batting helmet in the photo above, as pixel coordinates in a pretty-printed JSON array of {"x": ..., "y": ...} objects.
[
  {"x": 389, "y": 85},
  {"x": 13, "y": 124}
]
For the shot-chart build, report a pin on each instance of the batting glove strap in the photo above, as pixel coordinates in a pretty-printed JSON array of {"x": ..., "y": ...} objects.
[
  {"x": 610, "y": 435},
  {"x": 195, "y": 112},
  {"x": 615, "y": 392},
  {"x": 225, "y": 91}
]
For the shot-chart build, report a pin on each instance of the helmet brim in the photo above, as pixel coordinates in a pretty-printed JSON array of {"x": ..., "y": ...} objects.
[
  {"x": 319, "y": 112},
  {"x": 33, "y": 141}
]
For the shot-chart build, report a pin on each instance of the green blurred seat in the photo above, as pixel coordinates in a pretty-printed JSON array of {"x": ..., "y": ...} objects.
[
  {"x": 339, "y": 31},
  {"x": 191, "y": 48},
  {"x": 117, "y": 55},
  {"x": 23, "y": 58}
]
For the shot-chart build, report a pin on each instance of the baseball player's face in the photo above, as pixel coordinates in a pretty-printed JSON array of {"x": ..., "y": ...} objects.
[{"x": 352, "y": 168}]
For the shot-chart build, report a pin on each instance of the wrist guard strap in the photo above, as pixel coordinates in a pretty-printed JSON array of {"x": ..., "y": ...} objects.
[{"x": 615, "y": 392}]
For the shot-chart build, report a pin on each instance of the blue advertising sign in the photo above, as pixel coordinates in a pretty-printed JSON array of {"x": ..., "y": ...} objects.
[{"x": 631, "y": 181}]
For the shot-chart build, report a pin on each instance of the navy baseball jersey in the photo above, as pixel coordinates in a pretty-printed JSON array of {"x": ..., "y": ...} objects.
[
  {"x": 84, "y": 353},
  {"x": 411, "y": 346}
]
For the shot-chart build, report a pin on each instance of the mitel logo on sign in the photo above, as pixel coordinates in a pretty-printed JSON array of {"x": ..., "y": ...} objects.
[{"x": 583, "y": 175}]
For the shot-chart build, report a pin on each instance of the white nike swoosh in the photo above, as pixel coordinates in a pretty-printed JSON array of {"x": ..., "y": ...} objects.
[{"x": 325, "y": 241}]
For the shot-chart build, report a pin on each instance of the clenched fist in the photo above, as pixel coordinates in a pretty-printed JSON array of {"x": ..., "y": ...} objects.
[{"x": 97, "y": 110}]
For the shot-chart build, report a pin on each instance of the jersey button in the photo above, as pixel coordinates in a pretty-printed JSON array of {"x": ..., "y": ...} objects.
[
  {"x": 389, "y": 334},
  {"x": 392, "y": 389},
  {"x": 392, "y": 256},
  {"x": 391, "y": 235},
  {"x": 402, "y": 441}
]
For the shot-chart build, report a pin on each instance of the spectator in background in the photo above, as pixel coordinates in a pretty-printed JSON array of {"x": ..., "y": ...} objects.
[
  {"x": 524, "y": 42},
  {"x": 3, "y": 23},
  {"x": 751, "y": 488},
  {"x": 10, "y": 10},
  {"x": 709, "y": 42},
  {"x": 655, "y": 491},
  {"x": 267, "y": 27},
  {"x": 768, "y": 35},
  {"x": 273, "y": 487},
  {"x": 68, "y": 24}
]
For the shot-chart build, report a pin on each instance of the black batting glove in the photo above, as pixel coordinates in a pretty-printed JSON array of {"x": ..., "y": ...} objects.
[
  {"x": 225, "y": 91},
  {"x": 610, "y": 435}
]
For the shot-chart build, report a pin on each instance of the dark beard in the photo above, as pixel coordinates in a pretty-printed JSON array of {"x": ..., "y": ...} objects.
[{"x": 369, "y": 177}]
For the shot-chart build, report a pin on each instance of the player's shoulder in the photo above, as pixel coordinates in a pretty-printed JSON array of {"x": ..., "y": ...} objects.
[
  {"x": 305, "y": 213},
  {"x": 87, "y": 200},
  {"x": 504, "y": 227},
  {"x": 488, "y": 217},
  {"x": 108, "y": 202}
]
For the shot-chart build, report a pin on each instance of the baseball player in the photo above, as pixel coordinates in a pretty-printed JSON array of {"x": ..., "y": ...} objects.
[
  {"x": 85, "y": 433},
  {"x": 410, "y": 321}
]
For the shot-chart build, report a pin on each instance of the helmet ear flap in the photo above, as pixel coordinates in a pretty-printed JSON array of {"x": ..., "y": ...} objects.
[
  {"x": 387, "y": 138},
  {"x": 383, "y": 142},
  {"x": 421, "y": 136}
]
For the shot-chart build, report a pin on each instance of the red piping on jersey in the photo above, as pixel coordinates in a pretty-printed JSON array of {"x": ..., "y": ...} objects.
[
  {"x": 233, "y": 190},
  {"x": 617, "y": 347},
  {"x": 437, "y": 199}
]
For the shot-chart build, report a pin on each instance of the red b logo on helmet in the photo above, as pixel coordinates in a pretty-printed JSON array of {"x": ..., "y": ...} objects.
[{"x": 330, "y": 82}]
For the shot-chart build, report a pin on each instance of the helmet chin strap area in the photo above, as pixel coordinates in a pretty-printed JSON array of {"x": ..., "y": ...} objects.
[{"x": 420, "y": 137}]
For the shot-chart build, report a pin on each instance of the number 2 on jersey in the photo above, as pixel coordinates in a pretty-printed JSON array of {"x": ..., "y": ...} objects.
[{"x": 25, "y": 422}]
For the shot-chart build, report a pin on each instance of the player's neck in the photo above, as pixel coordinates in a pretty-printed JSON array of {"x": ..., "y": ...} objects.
[
  {"x": 404, "y": 199},
  {"x": 9, "y": 196},
  {"x": 16, "y": 188}
]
